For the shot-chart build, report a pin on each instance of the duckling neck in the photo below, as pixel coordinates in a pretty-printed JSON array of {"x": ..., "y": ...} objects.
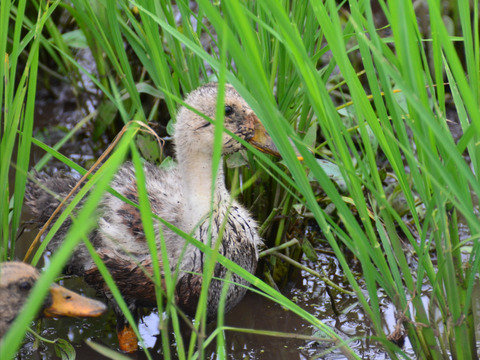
[{"x": 197, "y": 177}]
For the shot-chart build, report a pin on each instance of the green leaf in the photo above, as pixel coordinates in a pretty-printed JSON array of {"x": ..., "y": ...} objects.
[
  {"x": 65, "y": 350},
  {"x": 310, "y": 137},
  {"x": 168, "y": 163},
  {"x": 333, "y": 172},
  {"x": 149, "y": 147},
  {"x": 236, "y": 160},
  {"x": 146, "y": 88},
  {"x": 75, "y": 39},
  {"x": 308, "y": 250},
  {"x": 107, "y": 112},
  {"x": 109, "y": 353}
]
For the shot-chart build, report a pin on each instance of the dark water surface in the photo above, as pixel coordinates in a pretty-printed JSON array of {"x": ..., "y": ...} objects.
[{"x": 254, "y": 312}]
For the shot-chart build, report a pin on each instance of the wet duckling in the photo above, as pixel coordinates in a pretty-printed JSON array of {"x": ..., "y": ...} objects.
[
  {"x": 181, "y": 195},
  {"x": 16, "y": 281}
]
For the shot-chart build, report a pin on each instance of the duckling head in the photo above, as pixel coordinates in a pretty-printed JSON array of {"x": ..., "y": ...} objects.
[
  {"x": 195, "y": 134},
  {"x": 16, "y": 281}
]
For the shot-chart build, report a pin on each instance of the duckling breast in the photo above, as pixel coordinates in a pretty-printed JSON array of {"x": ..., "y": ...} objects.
[{"x": 237, "y": 232}]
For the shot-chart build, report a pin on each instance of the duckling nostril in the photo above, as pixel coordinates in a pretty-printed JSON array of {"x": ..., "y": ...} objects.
[{"x": 251, "y": 120}]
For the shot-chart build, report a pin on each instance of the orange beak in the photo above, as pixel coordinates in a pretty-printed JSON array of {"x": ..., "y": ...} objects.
[
  {"x": 69, "y": 303},
  {"x": 262, "y": 141}
]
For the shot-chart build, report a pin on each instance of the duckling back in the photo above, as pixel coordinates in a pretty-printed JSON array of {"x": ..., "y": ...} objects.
[
  {"x": 120, "y": 225},
  {"x": 120, "y": 229}
]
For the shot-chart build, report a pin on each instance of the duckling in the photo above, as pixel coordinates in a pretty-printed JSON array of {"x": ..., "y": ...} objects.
[
  {"x": 16, "y": 281},
  {"x": 181, "y": 195}
]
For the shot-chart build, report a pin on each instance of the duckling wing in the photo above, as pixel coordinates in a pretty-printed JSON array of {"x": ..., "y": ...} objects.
[{"x": 120, "y": 226}]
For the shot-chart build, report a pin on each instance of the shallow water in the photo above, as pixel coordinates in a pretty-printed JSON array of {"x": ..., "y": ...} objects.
[{"x": 254, "y": 312}]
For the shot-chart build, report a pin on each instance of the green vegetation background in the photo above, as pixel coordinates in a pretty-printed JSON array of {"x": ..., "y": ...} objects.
[{"x": 368, "y": 104}]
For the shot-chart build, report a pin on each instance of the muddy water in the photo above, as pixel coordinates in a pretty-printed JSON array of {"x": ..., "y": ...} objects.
[
  {"x": 53, "y": 119},
  {"x": 254, "y": 312}
]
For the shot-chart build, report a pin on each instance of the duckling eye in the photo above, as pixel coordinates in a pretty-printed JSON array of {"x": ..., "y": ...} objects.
[
  {"x": 228, "y": 110},
  {"x": 24, "y": 285}
]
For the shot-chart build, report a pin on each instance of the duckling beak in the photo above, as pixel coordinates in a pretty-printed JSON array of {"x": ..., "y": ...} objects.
[
  {"x": 68, "y": 303},
  {"x": 261, "y": 140}
]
